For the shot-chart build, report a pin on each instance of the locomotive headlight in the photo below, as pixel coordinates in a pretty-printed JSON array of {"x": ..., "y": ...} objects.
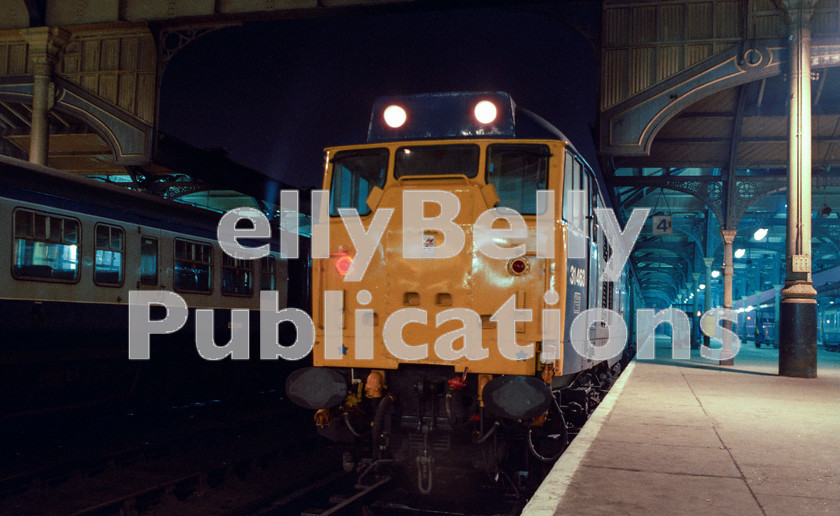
[
  {"x": 485, "y": 112},
  {"x": 342, "y": 265},
  {"x": 394, "y": 116}
]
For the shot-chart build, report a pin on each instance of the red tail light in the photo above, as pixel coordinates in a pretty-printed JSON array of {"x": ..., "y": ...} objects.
[{"x": 343, "y": 263}]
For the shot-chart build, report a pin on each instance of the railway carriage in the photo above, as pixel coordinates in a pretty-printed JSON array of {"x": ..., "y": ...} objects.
[
  {"x": 830, "y": 328},
  {"x": 437, "y": 357},
  {"x": 74, "y": 249}
]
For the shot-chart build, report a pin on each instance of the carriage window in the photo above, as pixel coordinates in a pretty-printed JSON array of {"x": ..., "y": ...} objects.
[
  {"x": 110, "y": 252},
  {"x": 517, "y": 172},
  {"x": 193, "y": 266},
  {"x": 237, "y": 276},
  {"x": 354, "y": 175},
  {"x": 148, "y": 261},
  {"x": 268, "y": 266},
  {"x": 45, "y": 247},
  {"x": 436, "y": 160}
]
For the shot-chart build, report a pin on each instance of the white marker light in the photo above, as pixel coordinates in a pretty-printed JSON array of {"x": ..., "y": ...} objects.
[
  {"x": 715, "y": 274},
  {"x": 394, "y": 116},
  {"x": 485, "y": 112},
  {"x": 760, "y": 233},
  {"x": 740, "y": 253}
]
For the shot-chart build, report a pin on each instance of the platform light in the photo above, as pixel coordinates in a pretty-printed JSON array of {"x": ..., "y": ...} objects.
[
  {"x": 702, "y": 286},
  {"x": 395, "y": 116},
  {"x": 760, "y": 233},
  {"x": 715, "y": 274},
  {"x": 485, "y": 112},
  {"x": 740, "y": 253},
  {"x": 750, "y": 308}
]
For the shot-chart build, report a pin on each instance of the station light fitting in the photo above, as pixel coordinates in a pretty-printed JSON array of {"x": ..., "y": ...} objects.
[
  {"x": 715, "y": 274},
  {"x": 825, "y": 211},
  {"x": 702, "y": 286},
  {"x": 760, "y": 233},
  {"x": 740, "y": 253}
]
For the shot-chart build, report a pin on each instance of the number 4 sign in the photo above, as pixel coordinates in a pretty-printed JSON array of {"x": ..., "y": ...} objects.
[{"x": 661, "y": 224}]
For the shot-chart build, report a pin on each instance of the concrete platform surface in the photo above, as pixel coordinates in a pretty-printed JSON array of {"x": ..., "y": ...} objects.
[{"x": 691, "y": 437}]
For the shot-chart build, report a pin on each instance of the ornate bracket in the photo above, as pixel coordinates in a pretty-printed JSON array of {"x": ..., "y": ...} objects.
[{"x": 171, "y": 40}]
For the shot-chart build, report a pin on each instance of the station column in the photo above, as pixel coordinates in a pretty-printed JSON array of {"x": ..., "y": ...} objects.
[
  {"x": 798, "y": 310},
  {"x": 695, "y": 327},
  {"x": 45, "y": 43},
  {"x": 707, "y": 296},
  {"x": 776, "y": 313},
  {"x": 728, "y": 237}
]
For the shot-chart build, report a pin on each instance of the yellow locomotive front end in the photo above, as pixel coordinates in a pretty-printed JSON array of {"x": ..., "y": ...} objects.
[{"x": 430, "y": 286}]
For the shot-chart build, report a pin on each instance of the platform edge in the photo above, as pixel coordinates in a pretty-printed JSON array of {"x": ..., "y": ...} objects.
[{"x": 548, "y": 496}]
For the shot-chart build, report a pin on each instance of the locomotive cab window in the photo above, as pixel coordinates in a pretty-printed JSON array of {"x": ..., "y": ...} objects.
[
  {"x": 354, "y": 175},
  {"x": 110, "y": 255},
  {"x": 237, "y": 276},
  {"x": 517, "y": 172},
  {"x": 436, "y": 160},
  {"x": 46, "y": 247},
  {"x": 193, "y": 266}
]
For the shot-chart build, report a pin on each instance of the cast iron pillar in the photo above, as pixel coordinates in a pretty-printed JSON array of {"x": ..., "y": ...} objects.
[
  {"x": 757, "y": 313},
  {"x": 695, "y": 326},
  {"x": 776, "y": 317},
  {"x": 728, "y": 237},
  {"x": 798, "y": 311},
  {"x": 45, "y": 43},
  {"x": 707, "y": 296}
]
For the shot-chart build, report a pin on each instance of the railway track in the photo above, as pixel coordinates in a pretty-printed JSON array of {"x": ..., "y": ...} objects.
[{"x": 230, "y": 461}]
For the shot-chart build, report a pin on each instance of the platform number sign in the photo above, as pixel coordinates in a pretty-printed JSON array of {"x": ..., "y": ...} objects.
[{"x": 661, "y": 224}]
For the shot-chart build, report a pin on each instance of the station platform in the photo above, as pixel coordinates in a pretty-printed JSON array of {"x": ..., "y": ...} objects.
[{"x": 692, "y": 437}]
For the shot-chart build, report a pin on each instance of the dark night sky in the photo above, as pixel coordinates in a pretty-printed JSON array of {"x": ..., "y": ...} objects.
[{"x": 274, "y": 94}]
